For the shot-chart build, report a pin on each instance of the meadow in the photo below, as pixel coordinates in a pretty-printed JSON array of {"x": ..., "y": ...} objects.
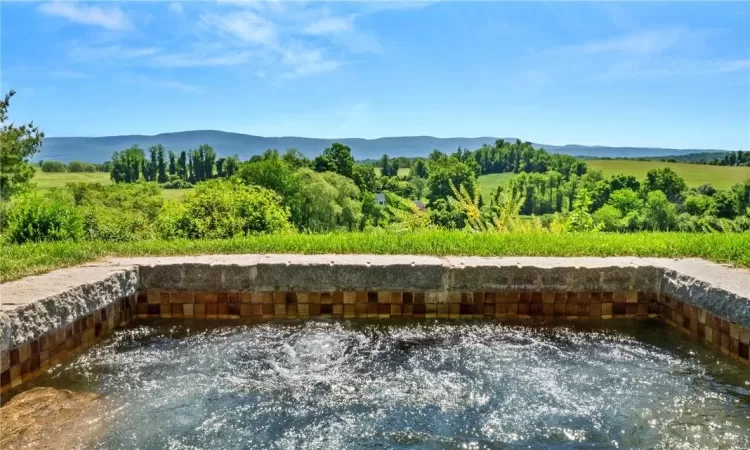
[
  {"x": 720, "y": 177},
  {"x": 490, "y": 182},
  {"x": 17, "y": 261},
  {"x": 50, "y": 180}
]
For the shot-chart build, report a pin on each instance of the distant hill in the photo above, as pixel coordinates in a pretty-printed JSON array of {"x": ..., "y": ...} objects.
[{"x": 99, "y": 149}]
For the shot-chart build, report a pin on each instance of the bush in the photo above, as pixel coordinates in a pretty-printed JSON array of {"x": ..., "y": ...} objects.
[
  {"x": 50, "y": 218},
  {"x": 53, "y": 166},
  {"x": 80, "y": 166},
  {"x": 176, "y": 183},
  {"x": 220, "y": 209}
]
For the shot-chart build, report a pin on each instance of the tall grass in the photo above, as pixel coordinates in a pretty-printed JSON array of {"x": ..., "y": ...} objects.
[{"x": 17, "y": 261}]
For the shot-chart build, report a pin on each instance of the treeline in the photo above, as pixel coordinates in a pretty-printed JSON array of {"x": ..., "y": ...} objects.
[
  {"x": 52, "y": 166},
  {"x": 201, "y": 164},
  {"x": 622, "y": 203},
  {"x": 738, "y": 158},
  {"x": 501, "y": 157}
]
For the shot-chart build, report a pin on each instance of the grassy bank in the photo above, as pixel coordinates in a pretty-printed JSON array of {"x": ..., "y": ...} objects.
[{"x": 17, "y": 261}]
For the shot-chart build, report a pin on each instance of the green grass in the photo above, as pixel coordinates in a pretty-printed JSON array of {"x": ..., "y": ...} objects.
[
  {"x": 488, "y": 183},
  {"x": 46, "y": 180},
  {"x": 18, "y": 261},
  {"x": 402, "y": 172},
  {"x": 721, "y": 177}
]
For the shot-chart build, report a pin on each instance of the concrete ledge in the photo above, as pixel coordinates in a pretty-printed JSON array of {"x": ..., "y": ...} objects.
[{"x": 36, "y": 305}]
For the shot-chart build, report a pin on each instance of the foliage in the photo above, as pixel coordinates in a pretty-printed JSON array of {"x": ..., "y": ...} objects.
[
  {"x": 667, "y": 181},
  {"x": 127, "y": 165},
  {"x": 51, "y": 166},
  {"x": 403, "y": 215},
  {"x": 443, "y": 173},
  {"x": 336, "y": 158},
  {"x": 36, "y": 218},
  {"x": 17, "y": 145},
  {"x": 580, "y": 219},
  {"x": 364, "y": 177},
  {"x": 176, "y": 182},
  {"x": 221, "y": 209},
  {"x": 658, "y": 212}
]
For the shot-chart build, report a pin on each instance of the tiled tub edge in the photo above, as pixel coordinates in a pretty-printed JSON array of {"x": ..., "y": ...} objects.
[{"x": 45, "y": 318}]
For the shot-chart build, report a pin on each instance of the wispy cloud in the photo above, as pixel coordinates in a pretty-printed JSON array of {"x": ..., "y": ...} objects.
[
  {"x": 644, "y": 42},
  {"x": 178, "y": 60},
  {"x": 331, "y": 25},
  {"x": 676, "y": 68},
  {"x": 173, "y": 85},
  {"x": 85, "y": 52},
  {"x": 176, "y": 7},
  {"x": 291, "y": 39},
  {"x": 111, "y": 18}
]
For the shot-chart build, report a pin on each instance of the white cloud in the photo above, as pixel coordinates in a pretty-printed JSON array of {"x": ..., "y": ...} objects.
[
  {"x": 176, "y": 7},
  {"x": 641, "y": 43},
  {"x": 111, "y": 18},
  {"x": 177, "y": 60},
  {"x": 246, "y": 26},
  {"x": 331, "y": 25},
  {"x": 83, "y": 52}
]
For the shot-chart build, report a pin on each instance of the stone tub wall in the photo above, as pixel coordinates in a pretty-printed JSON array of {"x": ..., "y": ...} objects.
[{"x": 45, "y": 318}]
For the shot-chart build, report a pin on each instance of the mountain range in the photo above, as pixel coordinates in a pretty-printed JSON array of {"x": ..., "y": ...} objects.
[{"x": 100, "y": 149}]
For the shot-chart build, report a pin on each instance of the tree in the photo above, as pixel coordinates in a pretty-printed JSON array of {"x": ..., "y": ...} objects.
[
  {"x": 698, "y": 205},
  {"x": 172, "y": 163},
  {"x": 658, "y": 212},
  {"x": 295, "y": 159},
  {"x": 271, "y": 172},
  {"x": 161, "y": 165},
  {"x": 625, "y": 200},
  {"x": 667, "y": 181},
  {"x": 445, "y": 171},
  {"x": 364, "y": 177},
  {"x": 221, "y": 209},
  {"x": 17, "y": 145},
  {"x": 580, "y": 218},
  {"x": 387, "y": 167},
  {"x": 53, "y": 166},
  {"x": 328, "y": 201},
  {"x": 727, "y": 206},
  {"x": 419, "y": 168},
  {"x": 182, "y": 166},
  {"x": 80, "y": 166},
  {"x": 336, "y": 158},
  {"x": 127, "y": 165}
]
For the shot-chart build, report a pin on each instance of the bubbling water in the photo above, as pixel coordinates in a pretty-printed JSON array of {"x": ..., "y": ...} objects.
[{"x": 432, "y": 385}]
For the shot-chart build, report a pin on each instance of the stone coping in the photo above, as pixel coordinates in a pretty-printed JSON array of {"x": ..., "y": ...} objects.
[{"x": 36, "y": 305}]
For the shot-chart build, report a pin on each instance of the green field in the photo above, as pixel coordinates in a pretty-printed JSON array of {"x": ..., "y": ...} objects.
[
  {"x": 721, "y": 177},
  {"x": 18, "y": 261},
  {"x": 46, "y": 180},
  {"x": 402, "y": 172},
  {"x": 488, "y": 183}
]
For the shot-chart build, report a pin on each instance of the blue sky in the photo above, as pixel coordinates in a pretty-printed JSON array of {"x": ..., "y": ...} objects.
[{"x": 640, "y": 74}]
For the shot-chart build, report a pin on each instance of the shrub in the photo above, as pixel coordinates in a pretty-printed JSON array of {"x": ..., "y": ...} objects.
[
  {"x": 80, "y": 166},
  {"x": 53, "y": 166},
  {"x": 220, "y": 209},
  {"x": 608, "y": 218},
  {"x": 176, "y": 183},
  {"x": 50, "y": 218}
]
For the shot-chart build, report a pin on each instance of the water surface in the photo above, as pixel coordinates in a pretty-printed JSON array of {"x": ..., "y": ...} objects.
[{"x": 431, "y": 385}]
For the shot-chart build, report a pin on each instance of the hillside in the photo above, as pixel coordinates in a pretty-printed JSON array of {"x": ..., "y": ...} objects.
[
  {"x": 721, "y": 177},
  {"x": 99, "y": 149}
]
